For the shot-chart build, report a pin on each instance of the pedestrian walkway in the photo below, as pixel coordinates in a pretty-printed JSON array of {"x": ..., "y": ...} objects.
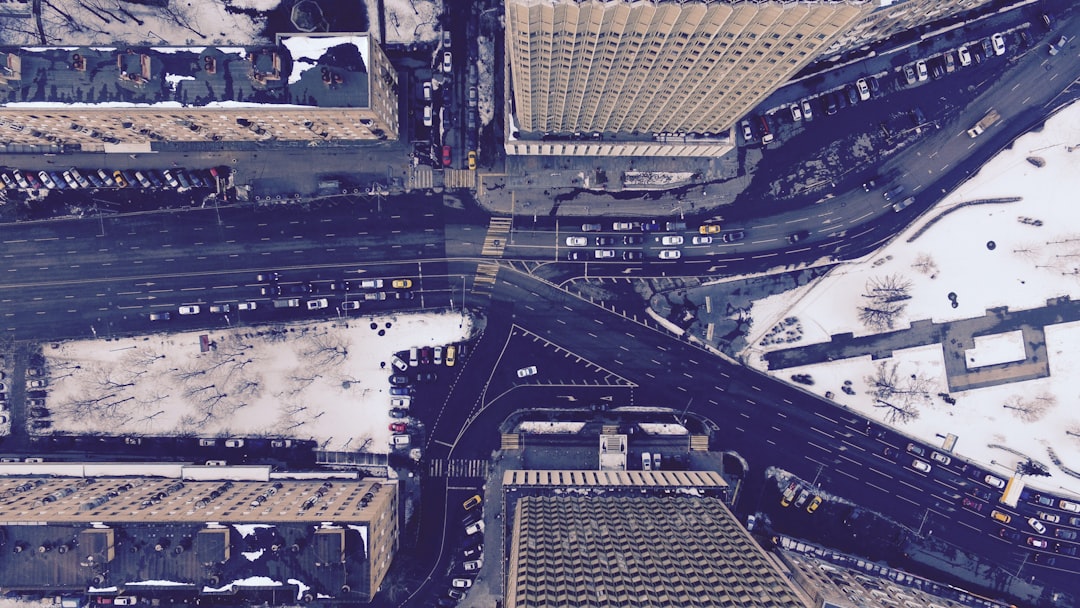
[
  {"x": 497, "y": 234},
  {"x": 459, "y": 178},
  {"x": 484, "y": 280},
  {"x": 421, "y": 177},
  {"x": 457, "y": 467}
]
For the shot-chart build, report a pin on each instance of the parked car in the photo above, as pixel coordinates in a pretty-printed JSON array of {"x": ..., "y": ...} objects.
[
  {"x": 670, "y": 254},
  {"x": 576, "y": 241},
  {"x": 863, "y": 88},
  {"x": 671, "y": 240},
  {"x": 1036, "y": 525},
  {"x": 994, "y": 481},
  {"x": 475, "y": 528},
  {"x": 447, "y": 62},
  {"x": 701, "y": 240},
  {"x": 525, "y": 372},
  {"x": 189, "y": 310},
  {"x": 808, "y": 112},
  {"x": 920, "y": 68},
  {"x": 964, "y": 55},
  {"x": 473, "y": 501},
  {"x": 919, "y": 465},
  {"x": 796, "y": 112},
  {"x": 909, "y": 74},
  {"x": 234, "y": 443}
]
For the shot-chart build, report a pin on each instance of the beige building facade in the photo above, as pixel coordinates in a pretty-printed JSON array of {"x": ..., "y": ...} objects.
[
  {"x": 655, "y": 77},
  {"x": 317, "y": 88},
  {"x": 894, "y": 17}
]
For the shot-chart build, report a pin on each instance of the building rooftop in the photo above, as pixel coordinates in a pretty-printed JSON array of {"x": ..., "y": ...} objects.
[
  {"x": 328, "y": 71},
  {"x": 633, "y": 538}
]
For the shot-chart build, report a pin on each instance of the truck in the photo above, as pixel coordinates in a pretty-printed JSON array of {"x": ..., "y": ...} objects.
[
  {"x": 1012, "y": 492},
  {"x": 991, "y": 117},
  {"x": 290, "y": 303}
]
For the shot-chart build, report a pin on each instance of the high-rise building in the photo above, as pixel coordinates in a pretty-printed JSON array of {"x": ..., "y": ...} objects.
[
  {"x": 236, "y": 541},
  {"x": 659, "y": 77},
  {"x": 327, "y": 88},
  {"x": 893, "y": 17}
]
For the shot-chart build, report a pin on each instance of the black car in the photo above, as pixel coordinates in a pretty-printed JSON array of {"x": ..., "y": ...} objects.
[
  {"x": 575, "y": 255},
  {"x": 399, "y": 380},
  {"x": 987, "y": 47},
  {"x": 399, "y": 413},
  {"x": 632, "y": 256},
  {"x": 650, "y": 226},
  {"x": 852, "y": 95},
  {"x": 633, "y": 240},
  {"x": 427, "y": 377},
  {"x": 798, "y": 236},
  {"x": 339, "y": 286},
  {"x": 874, "y": 86},
  {"x": 734, "y": 235},
  {"x": 293, "y": 290},
  {"x": 271, "y": 290},
  {"x": 830, "y": 105},
  {"x": 893, "y": 192},
  {"x": 869, "y": 184},
  {"x": 404, "y": 295},
  {"x": 603, "y": 241}
]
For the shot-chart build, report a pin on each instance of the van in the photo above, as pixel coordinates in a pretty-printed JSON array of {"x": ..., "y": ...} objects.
[
  {"x": 216, "y": 463},
  {"x": 399, "y": 441},
  {"x": 371, "y": 284},
  {"x": 160, "y": 316},
  {"x": 219, "y": 308},
  {"x": 290, "y": 303},
  {"x": 414, "y": 357}
]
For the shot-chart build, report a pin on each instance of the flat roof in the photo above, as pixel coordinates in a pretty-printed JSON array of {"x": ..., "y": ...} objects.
[{"x": 697, "y": 479}]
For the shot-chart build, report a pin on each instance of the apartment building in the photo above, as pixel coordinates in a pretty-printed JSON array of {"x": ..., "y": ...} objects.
[
  {"x": 655, "y": 77},
  {"x": 313, "y": 88},
  {"x": 895, "y": 17}
]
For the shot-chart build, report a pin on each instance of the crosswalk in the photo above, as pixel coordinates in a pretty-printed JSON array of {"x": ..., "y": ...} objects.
[
  {"x": 459, "y": 178},
  {"x": 458, "y": 467},
  {"x": 699, "y": 443},
  {"x": 497, "y": 235},
  {"x": 510, "y": 441},
  {"x": 485, "y": 278}
]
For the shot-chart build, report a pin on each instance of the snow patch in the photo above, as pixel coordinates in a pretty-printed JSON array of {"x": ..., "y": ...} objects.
[
  {"x": 995, "y": 349},
  {"x": 253, "y": 555},
  {"x": 663, "y": 429},
  {"x": 538, "y": 427},
  {"x": 246, "y": 530}
]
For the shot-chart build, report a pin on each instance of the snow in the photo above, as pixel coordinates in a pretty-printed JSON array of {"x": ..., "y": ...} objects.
[
  {"x": 485, "y": 89},
  {"x": 306, "y": 49},
  {"x": 246, "y": 530},
  {"x": 539, "y": 427},
  {"x": 312, "y": 380},
  {"x": 156, "y": 583},
  {"x": 253, "y": 555},
  {"x": 93, "y": 589},
  {"x": 995, "y": 349},
  {"x": 409, "y": 21},
  {"x": 663, "y": 429},
  {"x": 301, "y": 587},
  {"x": 363, "y": 530},
  {"x": 1035, "y": 257}
]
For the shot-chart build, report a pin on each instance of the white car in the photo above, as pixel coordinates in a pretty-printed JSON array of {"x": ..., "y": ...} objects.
[
  {"x": 427, "y": 91},
  {"x": 864, "y": 90},
  {"x": 1069, "y": 506},
  {"x": 317, "y": 304},
  {"x": 994, "y": 481},
  {"x": 670, "y": 254},
  {"x": 474, "y": 565},
  {"x": 190, "y": 310},
  {"x": 999, "y": 44},
  {"x": 475, "y": 528},
  {"x": 401, "y": 402},
  {"x": 919, "y": 465},
  {"x": 427, "y": 116},
  {"x": 447, "y": 62},
  {"x": 234, "y": 443},
  {"x": 747, "y": 134},
  {"x": 701, "y": 240},
  {"x": 525, "y": 372},
  {"x": 461, "y": 583},
  {"x": 1037, "y": 525},
  {"x": 576, "y": 241},
  {"x": 942, "y": 458},
  {"x": 247, "y": 306},
  {"x": 622, "y": 226},
  {"x": 807, "y": 111},
  {"x": 350, "y": 305},
  {"x": 646, "y": 461},
  {"x": 671, "y": 240},
  {"x": 796, "y": 113},
  {"x": 603, "y": 254},
  {"x": 964, "y": 55},
  {"x": 920, "y": 70}
]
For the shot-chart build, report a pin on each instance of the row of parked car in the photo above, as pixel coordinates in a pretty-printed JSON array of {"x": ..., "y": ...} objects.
[
  {"x": 73, "y": 179},
  {"x": 473, "y": 551}
]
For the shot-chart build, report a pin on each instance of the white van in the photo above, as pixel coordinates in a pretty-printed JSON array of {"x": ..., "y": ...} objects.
[
  {"x": 399, "y": 441},
  {"x": 371, "y": 284}
]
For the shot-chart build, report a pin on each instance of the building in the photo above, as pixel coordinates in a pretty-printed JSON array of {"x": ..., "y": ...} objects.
[
  {"x": 633, "y": 538},
  {"x": 278, "y": 541},
  {"x": 898, "y": 17},
  {"x": 655, "y": 77},
  {"x": 315, "y": 88}
]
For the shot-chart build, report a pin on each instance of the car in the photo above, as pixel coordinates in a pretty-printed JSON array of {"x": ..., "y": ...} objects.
[
  {"x": 475, "y": 528},
  {"x": 814, "y": 504},
  {"x": 909, "y": 74},
  {"x": 447, "y": 62},
  {"x": 399, "y": 380},
  {"x": 709, "y": 229},
  {"x": 400, "y": 402},
  {"x": 234, "y": 443},
  {"x": 398, "y": 427},
  {"x": 701, "y": 240},
  {"x": 461, "y": 583},
  {"x": 1069, "y": 506},
  {"x": 170, "y": 179},
  {"x": 401, "y": 283},
  {"x": 916, "y": 449},
  {"x": 1066, "y": 534},
  {"x": 160, "y": 316},
  {"x": 576, "y": 241},
  {"x": 1008, "y": 534},
  {"x": 400, "y": 391},
  {"x": 807, "y": 111},
  {"x": 789, "y": 494},
  {"x": 474, "y": 550},
  {"x": 189, "y": 310},
  {"x": 1000, "y": 516},
  {"x": 994, "y": 481},
  {"x": 398, "y": 413},
  {"x": 919, "y": 465},
  {"x": 69, "y": 179},
  {"x": 830, "y": 105},
  {"x": 747, "y": 133},
  {"x": 1036, "y": 525},
  {"x": 898, "y": 207},
  {"x": 632, "y": 256},
  {"x": 427, "y": 116},
  {"x": 796, "y": 112},
  {"x": 671, "y": 240},
  {"x": 46, "y": 180},
  {"x": 618, "y": 226},
  {"x": 603, "y": 254},
  {"x": 317, "y": 304},
  {"x": 350, "y": 305},
  {"x": 1055, "y": 48},
  {"x": 8, "y": 182},
  {"x": 633, "y": 239},
  {"x": 1046, "y": 501},
  {"x": 1074, "y": 521},
  {"x": 605, "y": 241},
  {"x": 426, "y": 87},
  {"x": 964, "y": 55},
  {"x": 220, "y": 308},
  {"x": 650, "y": 226},
  {"x": 920, "y": 68},
  {"x": 21, "y": 180},
  {"x": 852, "y": 94},
  {"x": 472, "y": 160},
  {"x": 733, "y": 236},
  {"x": 473, "y": 501},
  {"x": 863, "y": 89},
  {"x": 525, "y": 372},
  {"x": 869, "y": 184},
  {"x": 438, "y": 355},
  {"x": 893, "y": 192},
  {"x": 473, "y": 565},
  {"x": 1038, "y": 543},
  {"x": 972, "y": 504},
  {"x": 795, "y": 237},
  {"x": 247, "y": 305},
  {"x": 447, "y": 158},
  {"x": 988, "y": 47},
  {"x": 427, "y": 377},
  {"x": 1053, "y": 518},
  {"x": 670, "y": 254},
  {"x": 1066, "y": 549},
  {"x": 451, "y": 355},
  {"x": 575, "y": 255},
  {"x": 591, "y": 227},
  {"x": 281, "y": 443}
]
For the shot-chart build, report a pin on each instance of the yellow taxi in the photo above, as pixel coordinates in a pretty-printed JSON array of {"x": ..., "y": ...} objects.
[
  {"x": 709, "y": 229},
  {"x": 402, "y": 283},
  {"x": 472, "y": 502},
  {"x": 1002, "y": 517},
  {"x": 119, "y": 179},
  {"x": 472, "y": 160},
  {"x": 451, "y": 355},
  {"x": 814, "y": 504}
]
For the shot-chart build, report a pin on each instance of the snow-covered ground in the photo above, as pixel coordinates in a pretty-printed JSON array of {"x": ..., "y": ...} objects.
[
  {"x": 318, "y": 380},
  {"x": 1035, "y": 257}
]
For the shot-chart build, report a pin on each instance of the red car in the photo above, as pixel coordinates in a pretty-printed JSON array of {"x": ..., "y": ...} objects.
[
  {"x": 973, "y": 505},
  {"x": 398, "y": 427},
  {"x": 446, "y": 156}
]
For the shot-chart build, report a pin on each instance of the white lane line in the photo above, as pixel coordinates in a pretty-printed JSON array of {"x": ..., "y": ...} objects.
[
  {"x": 823, "y": 449},
  {"x": 825, "y": 417}
]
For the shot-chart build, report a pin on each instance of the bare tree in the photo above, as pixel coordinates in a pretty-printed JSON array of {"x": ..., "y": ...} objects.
[
  {"x": 886, "y": 298},
  {"x": 1030, "y": 409},
  {"x": 325, "y": 349},
  {"x": 925, "y": 264},
  {"x": 899, "y": 395}
]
